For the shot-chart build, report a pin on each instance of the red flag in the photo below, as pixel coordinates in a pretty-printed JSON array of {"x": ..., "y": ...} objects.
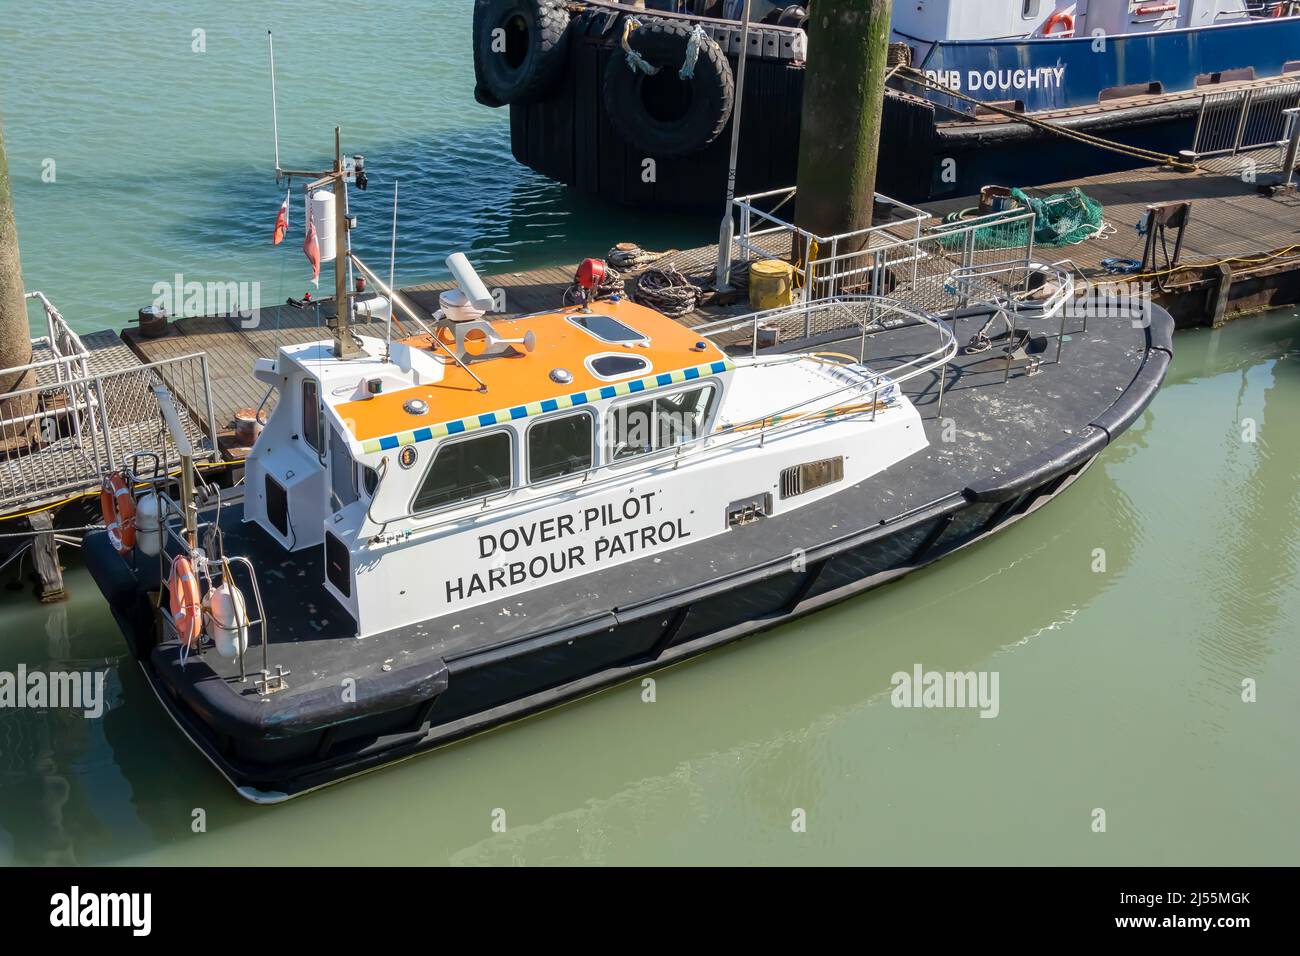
[
  {"x": 312, "y": 250},
  {"x": 281, "y": 222}
]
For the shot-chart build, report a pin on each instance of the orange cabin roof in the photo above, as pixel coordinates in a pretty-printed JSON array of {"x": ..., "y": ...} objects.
[{"x": 518, "y": 385}]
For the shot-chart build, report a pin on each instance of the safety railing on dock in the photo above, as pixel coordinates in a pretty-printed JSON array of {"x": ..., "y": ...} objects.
[
  {"x": 909, "y": 258},
  {"x": 63, "y": 354},
  {"x": 1245, "y": 118},
  {"x": 65, "y": 427}
]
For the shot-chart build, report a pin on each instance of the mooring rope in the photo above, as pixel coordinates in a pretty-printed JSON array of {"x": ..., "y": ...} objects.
[
  {"x": 53, "y": 531},
  {"x": 612, "y": 284},
  {"x": 913, "y": 75},
  {"x": 666, "y": 290},
  {"x": 629, "y": 257}
]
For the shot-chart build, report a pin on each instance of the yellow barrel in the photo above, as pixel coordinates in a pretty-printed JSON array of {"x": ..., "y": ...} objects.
[{"x": 771, "y": 284}]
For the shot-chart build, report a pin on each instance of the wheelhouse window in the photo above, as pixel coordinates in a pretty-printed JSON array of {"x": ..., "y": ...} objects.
[
  {"x": 343, "y": 472},
  {"x": 369, "y": 480},
  {"x": 666, "y": 421},
  {"x": 313, "y": 425},
  {"x": 465, "y": 469},
  {"x": 560, "y": 446}
]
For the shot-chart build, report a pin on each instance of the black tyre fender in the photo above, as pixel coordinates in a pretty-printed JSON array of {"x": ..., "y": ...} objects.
[
  {"x": 522, "y": 63},
  {"x": 663, "y": 114}
]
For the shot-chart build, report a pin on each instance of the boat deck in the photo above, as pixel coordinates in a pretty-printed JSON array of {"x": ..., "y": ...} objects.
[{"x": 984, "y": 432}]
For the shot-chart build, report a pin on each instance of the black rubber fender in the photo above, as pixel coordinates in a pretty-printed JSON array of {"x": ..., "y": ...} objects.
[
  {"x": 665, "y": 115},
  {"x": 222, "y": 706},
  {"x": 1142, "y": 390},
  {"x": 522, "y": 64},
  {"x": 1034, "y": 472}
]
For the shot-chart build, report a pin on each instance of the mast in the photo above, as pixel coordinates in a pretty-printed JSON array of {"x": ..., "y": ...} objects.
[
  {"x": 344, "y": 347},
  {"x": 337, "y": 178}
]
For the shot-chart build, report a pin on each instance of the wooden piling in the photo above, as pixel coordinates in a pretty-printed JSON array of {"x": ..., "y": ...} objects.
[
  {"x": 46, "y": 570},
  {"x": 15, "y": 334},
  {"x": 844, "y": 96}
]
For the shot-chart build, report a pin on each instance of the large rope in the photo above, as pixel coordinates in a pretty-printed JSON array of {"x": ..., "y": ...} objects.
[
  {"x": 612, "y": 284},
  {"x": 666, "y": 290},
  {"x": 629, "y": 257},
  {"x": 913, "y": 75}
]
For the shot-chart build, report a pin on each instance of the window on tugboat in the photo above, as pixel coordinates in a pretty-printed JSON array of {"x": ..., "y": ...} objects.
[{"x": 665, "y": 421}]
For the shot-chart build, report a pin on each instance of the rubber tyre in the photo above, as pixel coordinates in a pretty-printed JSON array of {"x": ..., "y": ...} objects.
[
  {"x": 663, "y": 115},
  {"x": 537, "y": 46}
]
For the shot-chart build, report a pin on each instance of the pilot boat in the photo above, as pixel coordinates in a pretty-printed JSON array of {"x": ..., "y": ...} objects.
[{"x": 444, "y": 531}]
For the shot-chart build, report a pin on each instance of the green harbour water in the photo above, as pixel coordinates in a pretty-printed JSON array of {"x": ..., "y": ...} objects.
[{"x": 1121, "y": 620}]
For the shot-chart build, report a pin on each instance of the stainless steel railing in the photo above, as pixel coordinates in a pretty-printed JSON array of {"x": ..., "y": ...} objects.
[
  {"x": 910, "y": 259},
  {"x": 1243, "y": 118},
  {"x": 59, "y": 435}
]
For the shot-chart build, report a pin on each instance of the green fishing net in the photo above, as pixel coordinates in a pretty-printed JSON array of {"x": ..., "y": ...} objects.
[{"x": 1062, "y": 219}]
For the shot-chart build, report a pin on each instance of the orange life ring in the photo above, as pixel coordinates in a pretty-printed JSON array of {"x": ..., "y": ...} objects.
[
  {"x": 184, "y": 602},
  {"x": 1063, "y": 19},
  {"x": 118, "y": 508}
]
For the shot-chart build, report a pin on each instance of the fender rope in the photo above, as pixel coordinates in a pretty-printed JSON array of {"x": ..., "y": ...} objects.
[
  {"x": 635, "y": 61},
  {"x": 697, "y": 39}
]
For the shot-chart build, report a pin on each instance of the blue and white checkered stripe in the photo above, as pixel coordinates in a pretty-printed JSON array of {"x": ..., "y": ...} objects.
[{"x": 541, "y": 408}]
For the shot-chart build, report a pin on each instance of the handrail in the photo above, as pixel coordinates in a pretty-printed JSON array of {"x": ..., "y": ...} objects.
[
  {"x": 396, "y": 298},
  {"x": 86, "y": 421}
]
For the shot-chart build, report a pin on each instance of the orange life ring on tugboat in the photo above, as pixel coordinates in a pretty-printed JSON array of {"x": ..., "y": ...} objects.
[
  {"x": 1059, "y": 19},
  {"x": 118, "y": 508},
  {"x": 183, "y": 586}
]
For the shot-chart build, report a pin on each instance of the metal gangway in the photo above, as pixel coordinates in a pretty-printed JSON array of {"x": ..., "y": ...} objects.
[{"x": 68, "y": 422}]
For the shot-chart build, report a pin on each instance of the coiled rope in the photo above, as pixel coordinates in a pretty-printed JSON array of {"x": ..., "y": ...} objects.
[
  {"x": 666, "y": 290},
  {"x": 612, "y": 284},
  {"x": 629, "y": 257}
]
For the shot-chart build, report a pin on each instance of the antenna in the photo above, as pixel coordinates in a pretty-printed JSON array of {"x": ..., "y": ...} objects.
[
  {"x": 275, "y": 120},
  {"x": 392, "y": 267}
]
